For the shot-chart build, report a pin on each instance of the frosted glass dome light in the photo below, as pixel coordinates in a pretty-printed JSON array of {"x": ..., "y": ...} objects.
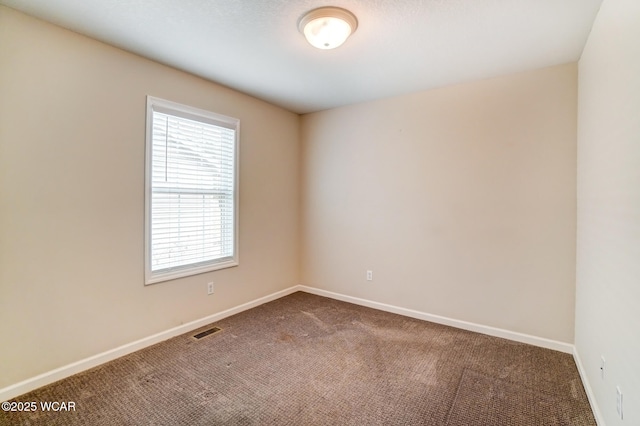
[{"x": 327, "y": 27}]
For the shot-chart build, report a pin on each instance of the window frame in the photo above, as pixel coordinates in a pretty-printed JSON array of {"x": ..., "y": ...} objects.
[{"x": 201, "y": 115}]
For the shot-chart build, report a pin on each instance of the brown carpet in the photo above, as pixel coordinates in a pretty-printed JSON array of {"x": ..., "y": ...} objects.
[
  {"x": 309, "y": 360},
  {"x": 487, "y": 401}
]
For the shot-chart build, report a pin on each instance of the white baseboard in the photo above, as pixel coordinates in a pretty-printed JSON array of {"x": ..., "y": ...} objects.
[
  {"x": 478, "y": 328},
  {"x": 587, "y": 388},
  {"x": 49, "y": 377}
]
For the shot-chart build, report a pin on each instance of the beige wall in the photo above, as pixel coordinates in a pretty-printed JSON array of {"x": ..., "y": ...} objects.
[
  {"x": 72, "y": 122},
  {"x": 608, "y": 248},
  {"x": 461, "y": 200}
]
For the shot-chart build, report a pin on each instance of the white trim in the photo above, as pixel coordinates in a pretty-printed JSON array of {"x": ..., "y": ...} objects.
[
  {"x": 76, "y": 367},
  {"x": 84, "y": 364},
  {"x": 464, "y": 325},
  {"x": 587, "y": 387}
]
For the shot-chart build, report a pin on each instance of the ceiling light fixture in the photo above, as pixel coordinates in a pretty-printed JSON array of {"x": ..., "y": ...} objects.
[{"x": 327, "y": 27}]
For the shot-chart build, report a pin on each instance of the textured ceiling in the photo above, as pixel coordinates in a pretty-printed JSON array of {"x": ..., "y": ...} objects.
[{"x": 400, "y": 46}]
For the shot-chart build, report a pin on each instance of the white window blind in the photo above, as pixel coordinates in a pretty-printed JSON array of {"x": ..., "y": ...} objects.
[{"x": 191, "y": 191}]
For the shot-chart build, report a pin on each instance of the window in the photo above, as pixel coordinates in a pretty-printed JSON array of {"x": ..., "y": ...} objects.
[{"x": 191, "y": 192}]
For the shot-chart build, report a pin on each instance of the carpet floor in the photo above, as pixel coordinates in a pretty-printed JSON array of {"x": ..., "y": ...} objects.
[{"x": 309, "y": 360}]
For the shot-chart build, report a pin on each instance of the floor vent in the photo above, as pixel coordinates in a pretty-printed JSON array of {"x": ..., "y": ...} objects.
[{"x": 206, "y": 333}]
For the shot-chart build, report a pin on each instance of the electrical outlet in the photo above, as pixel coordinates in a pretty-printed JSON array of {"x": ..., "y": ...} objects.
[
  {"x": 619, "y": 401},
  {"x": 210, "y": 288},
  {"x": 602, "y": 367},
  {"x": 369, "y": 275}
]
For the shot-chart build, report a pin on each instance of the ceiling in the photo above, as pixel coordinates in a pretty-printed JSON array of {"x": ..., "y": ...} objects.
[{"x": 400, "y": 46}]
